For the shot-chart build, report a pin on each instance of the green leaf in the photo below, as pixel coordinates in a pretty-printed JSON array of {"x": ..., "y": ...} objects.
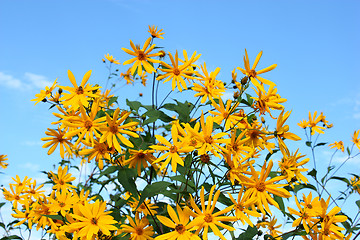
[
  {"x": 134, "y": 105},
  {"x": 280, "y": 201},
  {"x": 182, "y": 179},
  {"x": 169, "y": 106},
  {"x": 152, "y": 190},
  {"x": 55, "y": 217},
  {"x": 153, "y": 116},
  {"x": 2, "y": 204},
  {"x": 348, "y": 150},
  {"x": 358, "y": 203},
  {"x": 11, "y": 237},
  {"x": 313, "y": 173},
  {"x": 341, "y": 179},
  {"x": 112, "y": 100},
  {"x": 249, "y": 233},
  {"x": 126, "y": 179},
  {"x": 108, "y": 170},
  {"x": 320, "y": 144},
  {"x": 308, "y": 143}
]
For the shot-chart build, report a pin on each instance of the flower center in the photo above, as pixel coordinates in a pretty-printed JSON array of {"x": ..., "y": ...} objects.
[
  {"x": 208, "y": 218},
  {"x": 239, "y": 206},
  {"x": 61, "y": 204},
  {"x": 88, "y": 124},
  {"x": 141, "y": 55},
  {"x": 209, "y": 139},
  {"x": 61, "y": 182},
  {"x": 176, "y": 72},
  {"x": 205, "y": 158},
  {"x": 252, "y": 73},
  {"x": 93, "y": 221},
  {"x": 173, "y": 149},
  {"x": 80, "y": 90},
  {"x": 139, "y": 231},
  {"x": 113, "y": 129},
  {"x": 260, "y": 186},
  {"x": 141, "y": 155},
  {"x": 180, "y": 228}
]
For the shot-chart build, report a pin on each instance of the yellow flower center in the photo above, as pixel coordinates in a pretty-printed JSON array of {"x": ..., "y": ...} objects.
[
  {"x": 176, "y": 72},
  {"x": 88, "y": 124},
  {"x": 93, "y": 221},
  {"x": 139, "y": 231},
  {"x": 208, "y": 218},
  {"x": 260, "y": 186},
  {"x": 80, "y": 90},
  {"x": 173, "y": 149},
  {"x": 180, "y": 228},
  {"x": 141, "y": 55}
]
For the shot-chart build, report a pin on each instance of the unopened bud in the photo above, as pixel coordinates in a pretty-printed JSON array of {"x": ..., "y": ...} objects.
[{"x": 244, "y": 80}]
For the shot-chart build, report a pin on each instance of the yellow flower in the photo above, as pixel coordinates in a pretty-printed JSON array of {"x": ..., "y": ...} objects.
[
  {"x": 111, "y": 59},
  {"x": 142, "y": 57},
  {"x": 338, "y": 145},
  {"x": 138, "y": 229},
  {"x": 62, "y": 202},
  {"x": 307, "y": 218},
  {"x": 255, "y": 74},
  {"x": 177, "y": 73},
  {"x": 62, "y": 179},
  {"x": 270, "y": 225},
  {"x": 312, "y": 123},
  {"x": 140, "y": 158},
  {"x": 180, "y": 224},
  {"x": 259, "y": 188},
  {"x": 290, "y": 168},
  {"x": 225, "y": 114},
  {"x": 3, "y": 158},
  {"x": 92, "y": 219},
  {"x": 44, "y": 93},
  {"x": 55, "y": 138},
  {"x": 128, "y": 76},
  {"x": 97, "y": 150},
  {"x": 172, "y": 150},
  {"x": 355, "y": 139},
  {"x": 205, "y": 217},
  {"x": 155, "y": 33},
  {"x": 79, "y": 95},
  {"x": 114, "y": 130}
]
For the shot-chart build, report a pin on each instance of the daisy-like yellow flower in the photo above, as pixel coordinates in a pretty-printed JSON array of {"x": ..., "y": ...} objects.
[
  {"x": 138, "y": 229},
  {"x": 172, "y": 151},
  {"x": 44, "y": 94},
  {"x": 24, "y": 214},
  {"x": 62, "y": 202},
  {"x": 259, "y": 188},
  {"x": 225, "y": 113},
  {"x": 206, "y": 217},
  {"x": 241, "y": 207},
  {"x": 62, "y": 179},
  {"x": 355, "y": 184},
  {"x": 92, "y": 219},
  {"x": 142, "y": 57},
  {"x": 307, "y": 218},
  {"x": 207, "y": 141},
  {"x": 3, "y": 158},
  {"x": 355, "y": 139},
  {"x": 312, "y": 123},
  {"x": 338, "y": 145},
  {"x": 209, "y": 87},
  {"x": 115, "y": 130},
  {"x": 255, "y": 74},
  {"x": 85, "y": 125},
  {"x": 128, "y": 77},
  {"x": 155, "y": 33},
  {"x": 78, "y": 95},
  {"x": 55, "y": 138},
  {"x": 97, "y": 150},
  {"x": 177, "y": 72},
  {"x": 237, "y": 148},
  {"x": 267, "y": 100},
  {"x": 111, "y": 59},
  {"x": 140, "y": 158},
  {"x": 180, "y": 224},
  {"x": 291, "y": 169},
  {"x": 270, "y": 225}
]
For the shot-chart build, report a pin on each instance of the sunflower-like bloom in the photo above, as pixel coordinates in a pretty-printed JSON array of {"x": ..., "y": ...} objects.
[
  {"x": 206, "y": 217},
  {"x": 62, "y": 179},
  {"x": 172, "y": 151},
  {"x": 355, "y": 139},
  {"x": 142, "y": 57},
  {"x": 55, "y": 138},
  {"x": 85, "y": 125},
  {"x": 207, "y": 141},
  {"x": 225, "y": 113},
  {"x": 241, "y": 207},
  {"x": 111, "y": 59},
  {"x": 114, "y": 130},
  {"x": 177, "y": 72},
  {"x": 180, "y": 224},
  {"x": 255, "y": 74},
  {"x": 259, "y": 188},
  {"x": 270, "y": 225},
  {"x": 209, "y": 87},
  {"x": 140, "y": 158},
  {"x": 97, "y": 150},
  {"x": 91, "y": 219},
  {"x": 155, "y": 33},
  {"x": 44, "y": 93},
  {"x": 24, "y": 215},
  {"x": 338, "y": 145},
  {"x": 237, "y": 148},
  {"x": 355, "y": 184},
  {"x": 282, "y": 132},
  {"x": 306, "y": 217},
  {"x": 78, "y": 95},
  {"x": 257, "y": 137},
  {"x": 267, "y": 100},
  {"x": 3, "y": 158},
  {"x": 138, "y": 229},
  {"x": 291, "y": 168},
  {"x": 312, "y": 123},
  {"x": 128, "y": 77},
  {"x": 62, "y": 202}
]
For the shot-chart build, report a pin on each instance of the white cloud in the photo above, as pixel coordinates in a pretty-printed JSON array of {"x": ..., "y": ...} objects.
[
  {"x": 38, "y": 81},
  {"x": 28, "y": 82}
]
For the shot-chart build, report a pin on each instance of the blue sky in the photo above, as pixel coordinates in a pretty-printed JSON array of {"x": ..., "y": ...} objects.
[{"x": 314, "y": 43}]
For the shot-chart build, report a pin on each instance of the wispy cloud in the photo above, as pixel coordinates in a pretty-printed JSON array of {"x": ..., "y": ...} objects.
[{"x": 27, "y": 82}]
